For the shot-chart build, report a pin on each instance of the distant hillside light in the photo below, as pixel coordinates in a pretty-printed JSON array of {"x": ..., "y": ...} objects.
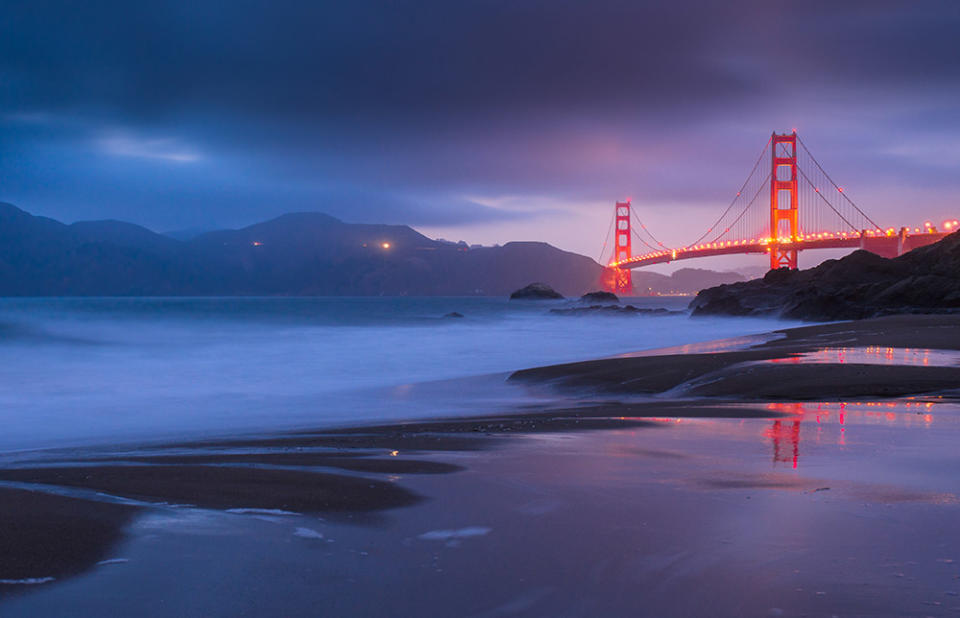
[
  {"x": 385, "y": 245},
  {"x": 256, "y": 243}
]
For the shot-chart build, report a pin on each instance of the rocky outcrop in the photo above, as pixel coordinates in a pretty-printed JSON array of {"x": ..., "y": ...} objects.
[
  {"x": 860, "y": 285},
  {"x": 613, "y": 310},
  {"x": 536, "y": 291},
  {"x": 600, "y": 297}
]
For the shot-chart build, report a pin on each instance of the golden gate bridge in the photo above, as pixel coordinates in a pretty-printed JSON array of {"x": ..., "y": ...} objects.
[{"x": 791, "y": 206}]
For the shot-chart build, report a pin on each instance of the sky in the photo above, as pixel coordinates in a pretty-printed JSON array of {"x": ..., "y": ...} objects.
[{"x": 486, "y": 121}]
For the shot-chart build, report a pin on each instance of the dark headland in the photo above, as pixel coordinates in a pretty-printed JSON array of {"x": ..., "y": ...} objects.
[{"x": 860, "y": 285}]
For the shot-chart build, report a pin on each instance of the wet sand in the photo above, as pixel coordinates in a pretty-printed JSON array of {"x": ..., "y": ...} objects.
[
  {"x": 48, "y": 536},
  {"x": 282, "y": 473},
  {"x": 750, "y": 374},
  {"x": 685, "y": 467}
]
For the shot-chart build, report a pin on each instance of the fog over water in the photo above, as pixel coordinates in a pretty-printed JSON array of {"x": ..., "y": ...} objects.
[{"x": 98, "y": 370}]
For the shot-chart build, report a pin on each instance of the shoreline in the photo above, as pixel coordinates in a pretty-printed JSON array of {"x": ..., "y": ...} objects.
[
  {"x": 353, "y": 474},
  {"x": 775, "y": 369}
]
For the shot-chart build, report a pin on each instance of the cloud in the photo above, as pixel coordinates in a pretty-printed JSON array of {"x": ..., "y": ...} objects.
[
  {"x": 430, "y": 112},
  {"x": 164, "y": 149}
]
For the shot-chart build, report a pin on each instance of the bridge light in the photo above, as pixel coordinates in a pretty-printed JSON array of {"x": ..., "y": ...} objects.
[{"x": 840, "y": 189}]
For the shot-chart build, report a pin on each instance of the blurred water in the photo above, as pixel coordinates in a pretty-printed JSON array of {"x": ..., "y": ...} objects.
[{"x": 86, "y": 370}]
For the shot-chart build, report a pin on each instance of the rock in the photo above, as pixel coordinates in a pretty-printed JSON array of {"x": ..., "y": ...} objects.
[
  {"x": 613, "y": 310},
  {"x": 454, "y": 314},
  {"x": 779, "y": 276},
  {"x": 860, "y": 285},
  {"x": 600, "y": 297},
  {"x": 536, "y": 291}
]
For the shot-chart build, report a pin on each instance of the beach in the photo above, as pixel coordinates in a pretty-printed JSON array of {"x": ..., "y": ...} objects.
[{"x": 809, "y": 472}]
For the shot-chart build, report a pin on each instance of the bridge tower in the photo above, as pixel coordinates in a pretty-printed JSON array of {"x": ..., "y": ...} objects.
[
  {"x": 783, "y": 201},
  {"x": 622, "y": 279}
]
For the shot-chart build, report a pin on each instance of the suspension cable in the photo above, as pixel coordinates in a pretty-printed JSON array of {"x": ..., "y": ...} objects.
[
  {"x": 737, "y": 196},
  {"x": 610, "y": 227},
  {"x": 644, "y": 228},
  {"x": 836, "y": 186},
  {"x": 744, "y": 211},
  {"x": 827, "y": 202},
  {"x": 637, "y": 235}
]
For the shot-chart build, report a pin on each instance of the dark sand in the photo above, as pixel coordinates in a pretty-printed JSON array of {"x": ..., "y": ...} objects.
[
  {"x": 44, "y": 535},
  {"x": 225, "y": 487},
  {"x": 210, "y": 474},
  {"x": 739, "y": 374},
  {"x": 356, "y": 463}
]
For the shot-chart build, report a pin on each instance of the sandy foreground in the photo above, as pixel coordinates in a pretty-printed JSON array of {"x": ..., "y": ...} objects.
[{"x": 816, "y": 474}]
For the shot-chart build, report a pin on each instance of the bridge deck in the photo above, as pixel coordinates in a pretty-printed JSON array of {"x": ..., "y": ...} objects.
[{"x": 885, "y": 245}]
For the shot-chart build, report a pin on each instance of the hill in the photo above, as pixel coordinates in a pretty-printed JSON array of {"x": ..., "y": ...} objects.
[
  {"x": 295, "y": 254},
  {"x": 683, "y": 281}
]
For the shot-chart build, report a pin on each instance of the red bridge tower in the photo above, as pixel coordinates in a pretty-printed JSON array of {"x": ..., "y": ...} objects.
[
  {"x": 622, "y": 279},
  {"x": 783, "y": 201}
]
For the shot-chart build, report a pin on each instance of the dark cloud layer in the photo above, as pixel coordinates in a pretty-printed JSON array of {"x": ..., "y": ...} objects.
[{"x": 440, "y": 113}]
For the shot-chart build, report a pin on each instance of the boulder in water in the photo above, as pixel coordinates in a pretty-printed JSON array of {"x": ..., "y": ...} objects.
[
  {"x": 600, "y": 297},
  {"x": 536, "y": 291},
  {"x": 614, "y": 310}
]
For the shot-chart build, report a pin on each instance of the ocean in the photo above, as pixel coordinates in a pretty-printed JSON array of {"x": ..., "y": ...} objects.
[{"x": 81, "y": 371}]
